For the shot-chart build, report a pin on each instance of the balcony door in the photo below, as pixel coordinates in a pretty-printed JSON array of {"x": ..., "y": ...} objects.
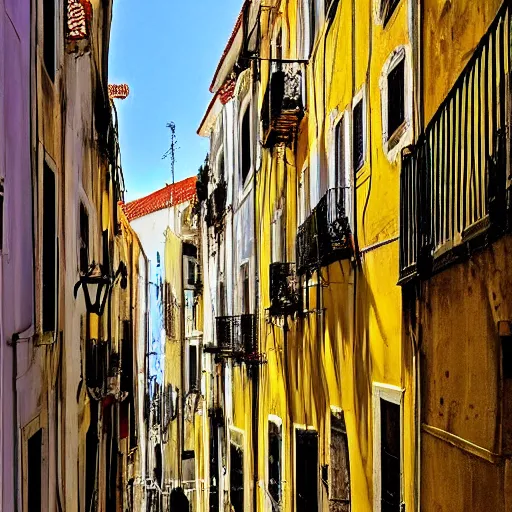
[{"x": 306, "y": 470}]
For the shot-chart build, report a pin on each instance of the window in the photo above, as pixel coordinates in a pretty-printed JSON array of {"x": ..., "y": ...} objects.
[
  {"x": 277, "y": 231},
  {"x": 358, "y": 136},
  {"x": 390, "y": 456},
  {"x": 192, "y": 367},
  {"x": 274, "y": 460},
  {"x": 222, "y": 299},
  {"x": 191, "y": 279},
  {"x": 330, "y": 8},
  {"x": 49, "y": 250},
  {"x": 246, "y": 144},
  {"x": 190, "y": 312},
  {"x": 34, "y": 480},
  {"x": 91, "y": 454},
  {"x": 305, "y": 195},
  {"x": 396, "y": 98},
  {"x": 246, "y": 298},
  {"x": 339, "y": 486},
  {"x": 49, "y": 37},
  {"x": 339, "y": 154},
  {"x": 236, "y": 478},
  {"x": 84, "y": 240},
  {"x": 387, "y": 7},
  {"x": 306, "y": 470},
  {"x": 313, "y": 21},
  {"x": 387, "y": 470}
]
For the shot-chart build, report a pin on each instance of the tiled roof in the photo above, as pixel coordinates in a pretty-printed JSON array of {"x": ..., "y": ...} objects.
[
  {"x": 181, "y": 192},
  {"x": 236, "y": 28}
]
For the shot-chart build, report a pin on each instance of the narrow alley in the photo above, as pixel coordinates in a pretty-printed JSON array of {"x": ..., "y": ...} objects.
[{"x": 314, "y": 318}]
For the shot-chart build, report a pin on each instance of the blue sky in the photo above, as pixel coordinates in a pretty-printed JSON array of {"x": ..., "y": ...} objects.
[{"x": 167, "y": 52}]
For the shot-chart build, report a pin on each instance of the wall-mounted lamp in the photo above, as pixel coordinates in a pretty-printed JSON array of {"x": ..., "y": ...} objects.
[{"x": 97, "y": 285}]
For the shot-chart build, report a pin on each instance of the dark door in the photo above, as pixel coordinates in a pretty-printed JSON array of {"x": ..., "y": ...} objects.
[
  {"x": 236, "y": 478},
  {"x": 306, "y": 471},
  {"x": 339, "y": 486}
]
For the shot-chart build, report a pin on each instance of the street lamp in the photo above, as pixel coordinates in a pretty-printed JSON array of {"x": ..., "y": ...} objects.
[{"x": 96, "y": 285}]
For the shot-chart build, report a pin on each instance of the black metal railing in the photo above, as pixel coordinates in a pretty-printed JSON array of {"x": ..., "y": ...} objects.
[
  {"x": 236, "y": 335},
  {"x": 283, "y": 103},
  {"x": 462, "y": 153},
  {"x": 325, "y": 236},
  {"x": 284, "y": 296}
]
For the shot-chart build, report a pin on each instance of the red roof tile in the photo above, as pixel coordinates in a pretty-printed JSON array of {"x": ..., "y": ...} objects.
[{"x": 181, "y": 191}]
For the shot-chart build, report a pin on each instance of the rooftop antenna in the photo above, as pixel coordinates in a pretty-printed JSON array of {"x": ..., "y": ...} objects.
[{"x": 171, "y": 153}]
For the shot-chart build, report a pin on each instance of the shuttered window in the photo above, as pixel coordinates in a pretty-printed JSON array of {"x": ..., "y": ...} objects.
[
  {"x": 340, "y": 154},
  {"x": 358, "y": 134},
  {"x": 306, "y": 471},
  {"x": 84, "y": 239},
  {"x": 396, "y": 98},
  {"x": 390, "y": 456},
  {"x": 339, "y": 488}
]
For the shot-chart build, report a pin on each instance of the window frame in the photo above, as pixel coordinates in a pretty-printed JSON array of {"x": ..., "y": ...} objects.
[
  {"x": 402, "y": 136},
  {"x": 359, "y": 98},
  {"x": 47, "y": 336},
  {"x": 245, "y": 108},
  {"x": 394, "y": 395}
]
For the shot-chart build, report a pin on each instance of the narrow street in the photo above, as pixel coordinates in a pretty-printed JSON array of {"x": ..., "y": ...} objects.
[{"x": 256, "y": 257}]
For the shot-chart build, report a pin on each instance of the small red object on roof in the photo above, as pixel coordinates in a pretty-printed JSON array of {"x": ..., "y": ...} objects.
[
  {"x": 170, "y": 195},
  {"x": 79, "y": 18},
  {"x": 120, "y": 91}
]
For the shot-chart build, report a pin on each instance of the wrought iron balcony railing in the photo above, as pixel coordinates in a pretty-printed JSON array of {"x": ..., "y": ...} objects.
[
  {"x": 283, "y": 104},
  {"x": 236, "y": 335},
  {"x": 454, "y": 181},
  {"x": 284, "y": 296},
  {"x": 325, "y": 236},
  {"x": 216, "y": 206}
]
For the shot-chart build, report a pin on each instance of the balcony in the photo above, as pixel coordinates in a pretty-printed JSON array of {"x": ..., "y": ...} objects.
[
  {"x": 325, "y": 236},
  {"x": 216, "y": 206},
  {"x": 453, "y": 184},
  {"x": 283, "y": 104},
  {"x": 284, "y": 297},
  {"x": 236, "y": 336}
]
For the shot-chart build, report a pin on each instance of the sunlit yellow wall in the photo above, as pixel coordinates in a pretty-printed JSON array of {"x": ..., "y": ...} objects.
[
  {"x": 318, "y": 363},
  {"x": 174, "y": 355}
]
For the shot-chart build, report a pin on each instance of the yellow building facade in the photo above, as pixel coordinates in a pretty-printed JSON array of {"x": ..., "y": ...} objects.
[{"x": 334, "y": 134}]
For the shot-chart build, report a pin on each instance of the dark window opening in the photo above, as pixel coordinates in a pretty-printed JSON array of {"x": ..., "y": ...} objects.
[
  {"x": 221, "y": 170},
  {"x": 306, "y": 470},
  {"x": 236, "y": 478},
  {"x": 387, "y": 8},
  {"x": 91, "y": 454},
  {"x": 84, "y": 239},
  {"x": 158, "y": 465},
  {"x": 330, "y": 8},
  {"x": 192, "y": 367},
  {"x": 312, "y": 24},
  {"x": 339, "y": 488},
  {"x": 222, "y": 299},
  {"x": 49, "y": 37},
  {"x": 396, "y": 101},
  {"x": 214, "y": 467},
  {"x": 191, "y": 278},
  {"x": 246, "y": 144},
  {"x": 246, "y": 299},
  {"x": 390, "y": 456},
  {"x": 34, "y": 477},
  {"x": 340, "y": 154},
  {"x": 358, "y": 141},
  {"x": 189, "y": 250},
  {"x": 49, "y": 278},
  {"x": 274, "y": 461}
]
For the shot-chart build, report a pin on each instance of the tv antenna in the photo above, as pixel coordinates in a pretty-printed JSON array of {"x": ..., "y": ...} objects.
[{"x": 171, "y": 153}]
